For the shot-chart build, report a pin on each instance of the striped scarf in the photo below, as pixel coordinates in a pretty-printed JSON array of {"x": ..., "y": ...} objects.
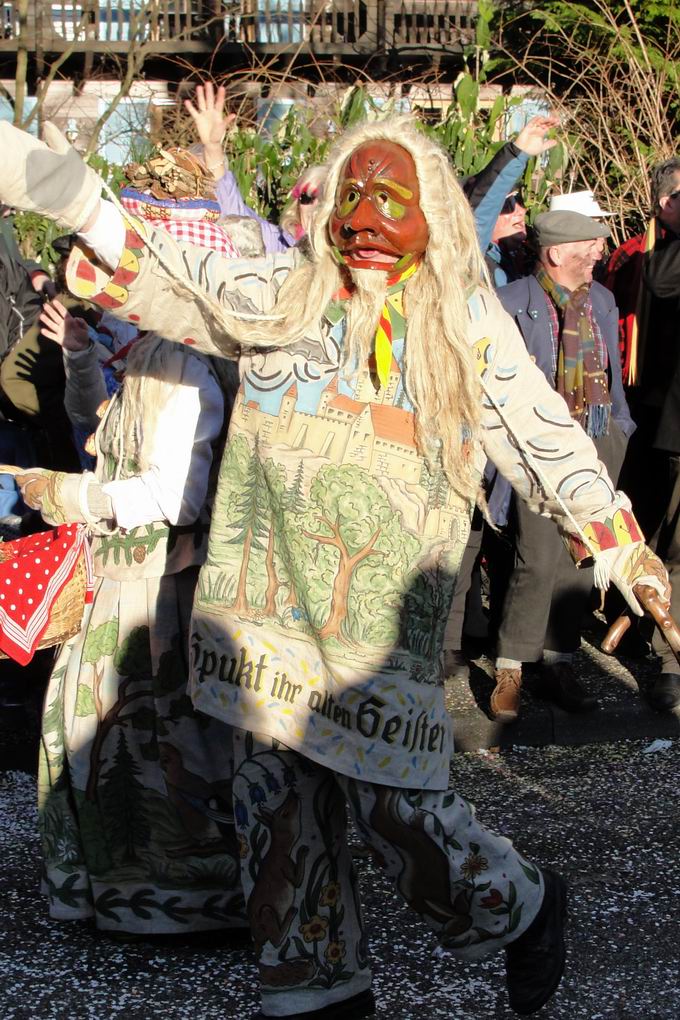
[
  {"x": 580, "y": 378},
  {"x": 391, "y": 325}
]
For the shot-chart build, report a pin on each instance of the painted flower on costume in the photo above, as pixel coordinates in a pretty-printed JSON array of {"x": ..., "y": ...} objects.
[
  {"x": 315, "y": 929},
  {"x": 335, "y": 952},
  {"x": 474, "y": 865},
  {"x": 493, "y": 898},
  {"x": 256, "y": 793},
  {"x": 241, "y": 814},
  {"x": 330, "y": 894}
]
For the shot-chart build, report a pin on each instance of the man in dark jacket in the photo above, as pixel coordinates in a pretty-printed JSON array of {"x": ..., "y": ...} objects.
[
  {"x": 570, "y": 326},
  {"x": 644, "y": 274},
  {"x": 658, "y": 463}
]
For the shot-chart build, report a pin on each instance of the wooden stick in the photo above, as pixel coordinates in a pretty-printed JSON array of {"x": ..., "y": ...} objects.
[{"x": 649, "y": 599}]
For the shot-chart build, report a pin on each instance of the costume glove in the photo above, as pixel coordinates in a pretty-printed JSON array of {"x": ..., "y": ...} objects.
[
  {"x": 636, "y": 564},
  {"x": 47, "y": 177},
  {"x": 63, "y": 498}
]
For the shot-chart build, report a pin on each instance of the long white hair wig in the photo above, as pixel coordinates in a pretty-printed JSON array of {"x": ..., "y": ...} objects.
[{"x": 440, "y": 378}]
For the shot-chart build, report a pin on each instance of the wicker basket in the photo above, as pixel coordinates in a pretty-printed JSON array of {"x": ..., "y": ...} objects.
[{"x": 66, "y": 614}]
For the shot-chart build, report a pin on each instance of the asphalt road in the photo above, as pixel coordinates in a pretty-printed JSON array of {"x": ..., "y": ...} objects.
[{"x": 606, "y": 816}]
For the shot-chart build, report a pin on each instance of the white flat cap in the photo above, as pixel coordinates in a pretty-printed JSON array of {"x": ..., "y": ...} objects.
[{"x": 583, "y": 202}]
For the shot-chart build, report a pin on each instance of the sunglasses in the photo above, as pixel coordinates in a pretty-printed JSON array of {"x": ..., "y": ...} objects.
[
  {"x": 511, "y": 203},
  {"x": 307, "y": 198}
]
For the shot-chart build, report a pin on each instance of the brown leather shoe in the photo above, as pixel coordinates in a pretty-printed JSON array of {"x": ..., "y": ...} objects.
[{"x": 505, "y": 697}]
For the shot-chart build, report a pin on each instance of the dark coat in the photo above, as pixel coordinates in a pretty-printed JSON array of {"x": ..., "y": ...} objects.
[
  {"x": 525, "y": 301},
  {"x": 19, "y": 303},
  {"x": 662, "y": 276}
]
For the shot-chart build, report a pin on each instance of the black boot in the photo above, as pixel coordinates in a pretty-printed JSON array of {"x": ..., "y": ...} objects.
[
  {"x": 359, "y": 1007},
  {"x": 664, "y": 694},
  {"x": 535, "y": 961},
  {"x": 559, "y": 684}
]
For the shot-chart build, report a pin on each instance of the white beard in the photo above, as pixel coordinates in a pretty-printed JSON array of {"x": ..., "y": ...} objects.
[{"x": 365, "y": 307}]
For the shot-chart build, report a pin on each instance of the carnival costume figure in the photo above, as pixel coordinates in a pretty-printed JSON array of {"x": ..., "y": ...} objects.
[{"x": 375, "y": 380}]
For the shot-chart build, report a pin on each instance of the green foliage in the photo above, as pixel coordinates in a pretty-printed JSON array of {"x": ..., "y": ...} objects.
[
  {"x": 133, "y": 658},
  {"x": 266, "y": 169},
  {"x": 100, "y": 641},
  {"x": 35, "y": 235},
  {"x": 85, "y": 701},
  {"x": 612, "y": 69}
]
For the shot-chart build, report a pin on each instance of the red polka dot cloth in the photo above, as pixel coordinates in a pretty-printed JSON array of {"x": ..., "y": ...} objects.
[{"x": 33, "y": 573}]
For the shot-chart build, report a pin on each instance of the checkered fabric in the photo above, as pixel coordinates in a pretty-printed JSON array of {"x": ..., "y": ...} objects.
[{"x": 191, "y": 221}]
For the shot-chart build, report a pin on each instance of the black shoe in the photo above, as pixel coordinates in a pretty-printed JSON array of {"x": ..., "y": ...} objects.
[
  {"x": 534, "y": 963},
  {"x": 359, "y": 1007},
  {"x": 664, "y": 694},
  {"x": 455, "y": 665},
  {"x": 558, "y": 683}
]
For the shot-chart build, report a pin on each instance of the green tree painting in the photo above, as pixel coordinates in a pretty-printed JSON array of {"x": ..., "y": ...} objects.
[
  {"x": 350, "y": 524},
  {"x": 123, "y": 796},
  {"x": 275, "y": 478}
]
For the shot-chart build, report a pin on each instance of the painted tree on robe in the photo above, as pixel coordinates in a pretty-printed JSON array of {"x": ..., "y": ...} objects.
[
  {"x": 376, "y": 598},
  {"x": 429, "y": 594},
  {"x": 123, "y": 795},
  {"x": 295, "y": 502},
  {"x": 294, "y": 508},
  {"x": 275, "y": 478},
  {"x": 251, "y": 524},
  {"x": 132, "y": 662},
  {"x": 354, "y": 524},
  {"x": 436, "y": 486},
  {"x": 58, "y": 829},
  {"x": 232, "y": 476}
]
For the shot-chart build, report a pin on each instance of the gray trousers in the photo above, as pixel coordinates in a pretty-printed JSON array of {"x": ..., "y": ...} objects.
[{"x": 547, "y": 595}]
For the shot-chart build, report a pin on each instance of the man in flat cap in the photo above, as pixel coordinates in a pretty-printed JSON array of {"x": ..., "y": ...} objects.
[{"x": 569, "y": 324}]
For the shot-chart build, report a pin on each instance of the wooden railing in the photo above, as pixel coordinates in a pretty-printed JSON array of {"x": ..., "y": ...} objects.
[{"x": 321, "y": 26}]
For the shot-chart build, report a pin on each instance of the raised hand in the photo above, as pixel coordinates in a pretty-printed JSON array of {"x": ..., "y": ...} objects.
[
  {"x": 58, "y": 325},
  {"x": 211, "y": 124},
  {"x": 209, "y": 119},
  {"x": 533, "y": 139}
]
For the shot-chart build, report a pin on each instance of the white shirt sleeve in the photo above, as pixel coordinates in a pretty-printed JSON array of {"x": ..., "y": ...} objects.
[
  {"x": 174, "y": 487},
  {"x": 107, "y": 237}
]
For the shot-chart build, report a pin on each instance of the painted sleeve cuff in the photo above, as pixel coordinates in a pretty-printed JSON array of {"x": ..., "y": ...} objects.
[
  {"x": 615, "y": 529},
  {"x": 107, "y": 288}
]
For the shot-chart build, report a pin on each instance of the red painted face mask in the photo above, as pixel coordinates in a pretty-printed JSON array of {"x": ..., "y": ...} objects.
[{"x": 377, "y": 222}]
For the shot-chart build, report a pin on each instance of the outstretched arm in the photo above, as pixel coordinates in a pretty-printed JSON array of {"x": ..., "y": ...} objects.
[
  {"x": 178, "y": 290},
  {"x": 487, "y": 191},
  {"x": 549, "y": 460}
]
